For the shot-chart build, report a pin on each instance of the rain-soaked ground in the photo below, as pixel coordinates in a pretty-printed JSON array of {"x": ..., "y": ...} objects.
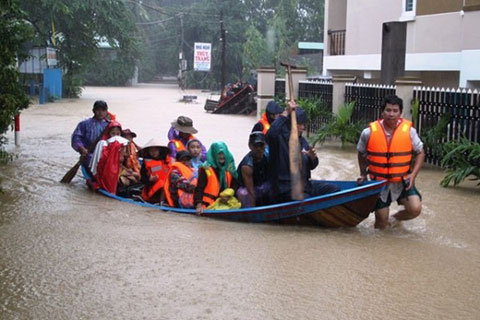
[{"x": 66, "y": 253}]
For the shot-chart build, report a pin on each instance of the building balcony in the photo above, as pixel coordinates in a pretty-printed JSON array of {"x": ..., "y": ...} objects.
[{"x": 336, "y": 42}]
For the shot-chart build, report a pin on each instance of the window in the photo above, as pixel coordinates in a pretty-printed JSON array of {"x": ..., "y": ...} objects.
[
  {"x": 408, "y": 5},
  {"x": 408, "y": 10}
]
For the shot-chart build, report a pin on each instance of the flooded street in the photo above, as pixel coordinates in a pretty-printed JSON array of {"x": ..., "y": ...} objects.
[{"x": 66, "y": 253}]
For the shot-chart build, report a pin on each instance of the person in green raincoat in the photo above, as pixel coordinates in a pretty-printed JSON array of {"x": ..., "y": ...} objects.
[{"x": 215, "y": 175}]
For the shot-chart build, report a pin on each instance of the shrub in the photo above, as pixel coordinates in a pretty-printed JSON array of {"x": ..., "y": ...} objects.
[
  {"x": 340, "y": 127},
  {"x": 316, "y": 110},
  {"x": 461, "y": 159}
]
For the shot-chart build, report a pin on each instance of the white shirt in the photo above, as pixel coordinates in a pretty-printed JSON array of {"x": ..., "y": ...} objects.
[{"x": 393, "y": 188}]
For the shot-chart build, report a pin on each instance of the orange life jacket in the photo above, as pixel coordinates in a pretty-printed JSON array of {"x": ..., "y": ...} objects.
[
  {"x": 179, "y": 144},
  {"x": 265, "y": 123},
  {"x": 212, "y": 189},
  {"x": 389, "y": 161},
  {"x": 132, "y": 160},
  {"x": 185, "y": 199},
  {"x": 157, "y": 168}
]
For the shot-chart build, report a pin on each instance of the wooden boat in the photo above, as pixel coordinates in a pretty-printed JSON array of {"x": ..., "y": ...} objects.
[{"x": 345, "y": 208}]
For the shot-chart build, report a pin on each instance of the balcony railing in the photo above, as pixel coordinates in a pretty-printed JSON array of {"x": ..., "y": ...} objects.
[{"x": 336, "y": 42}]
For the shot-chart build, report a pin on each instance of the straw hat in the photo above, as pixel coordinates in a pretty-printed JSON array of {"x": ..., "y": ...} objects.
[{"x": 153, "y": 143}]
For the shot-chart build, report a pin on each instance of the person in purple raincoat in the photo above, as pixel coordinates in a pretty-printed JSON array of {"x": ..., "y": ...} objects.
[{"x": 88, "y": 131}]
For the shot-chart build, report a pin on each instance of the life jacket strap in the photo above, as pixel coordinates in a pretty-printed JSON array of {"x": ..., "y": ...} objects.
[
  {"x": 389, "y": 154},
  {"x": 389, "y": 165}
]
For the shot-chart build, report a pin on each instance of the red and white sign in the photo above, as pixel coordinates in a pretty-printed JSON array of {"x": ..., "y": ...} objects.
[{"x": 202, "y": 56}]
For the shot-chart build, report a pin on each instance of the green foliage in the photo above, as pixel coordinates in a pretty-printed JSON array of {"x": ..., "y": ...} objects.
[
  {"x": 258, "y": 33},
  {"x": 461, "y": 159},
  {"x": 308, "y": 65},
  {"x": 415, "y": 112},
  {"x": 434, "y": 137},
  {"x": 5, "y": 157},
  {"x": 13, "y": 32},
  {"x": 315, "y": 108},
  {"x": 280, "y": 101},
  {"x": 340, "y": 127},
  {"x": 109, "y": 71},
  {"x": 72, "y": 84},
  {"x": 79, "y": 27},
  {"x": 255, "y": 50}
]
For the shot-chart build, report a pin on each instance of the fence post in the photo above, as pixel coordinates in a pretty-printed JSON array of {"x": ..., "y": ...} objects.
[
  {"x": 17, "y": 130},
  {"x": 265, "y": 88},
  {"x": 338, "y": 90},
  {"x": 405, "y": 92}
]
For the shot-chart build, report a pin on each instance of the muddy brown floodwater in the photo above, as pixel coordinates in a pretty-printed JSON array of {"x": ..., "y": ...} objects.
[{"x": 66, "y": 253}]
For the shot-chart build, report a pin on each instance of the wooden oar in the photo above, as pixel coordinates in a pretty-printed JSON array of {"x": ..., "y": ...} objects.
[
  {"x": 68, "y": 177},
  {"x": 294, "y": 154}
]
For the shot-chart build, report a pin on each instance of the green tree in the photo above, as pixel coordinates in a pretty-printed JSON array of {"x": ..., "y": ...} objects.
[
  {"x": 75, "y": 27},
  {"x": 281, "y": 23},
  {"x": 255, "y": 50},
  {"x": 14, "y": 32}
]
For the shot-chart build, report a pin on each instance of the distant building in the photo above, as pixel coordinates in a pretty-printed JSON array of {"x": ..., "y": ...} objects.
[
  {"x": 442, "y": 39},
  {"x": 313, "y": 53}
]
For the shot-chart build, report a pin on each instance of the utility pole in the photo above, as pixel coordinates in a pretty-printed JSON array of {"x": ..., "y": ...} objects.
[
  {"x": 224, "y": 40},
  {"x": 180, "y": 55}
]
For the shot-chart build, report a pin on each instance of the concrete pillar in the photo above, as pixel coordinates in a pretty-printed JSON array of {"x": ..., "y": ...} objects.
[
  {"x": 265, "y": 88},
  {"x": 338, "y": 90},
  {"x": 297, "y": 75},
  {"x": 405, "y": 92}
]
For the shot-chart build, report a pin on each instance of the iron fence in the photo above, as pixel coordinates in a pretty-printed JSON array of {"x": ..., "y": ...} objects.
[
  {"x": 280, "y": 89},
  {"x": 368, "y": 100},
  {"x": 460, "y": 107},
  {"x": 322, "y": 91}
]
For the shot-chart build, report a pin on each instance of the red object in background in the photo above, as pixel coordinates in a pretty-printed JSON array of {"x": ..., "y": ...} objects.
[{"x": 17, "y": 122}]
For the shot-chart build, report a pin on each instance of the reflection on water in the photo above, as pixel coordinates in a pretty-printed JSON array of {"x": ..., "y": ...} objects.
[{"x": 67, "y": 253}]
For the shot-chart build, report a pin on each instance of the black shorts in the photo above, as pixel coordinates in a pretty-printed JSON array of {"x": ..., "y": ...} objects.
[{"x": 405, "y": 194}]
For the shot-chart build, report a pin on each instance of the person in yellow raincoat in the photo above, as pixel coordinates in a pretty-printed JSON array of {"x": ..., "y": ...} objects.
[{"x": 226, "y": 201}]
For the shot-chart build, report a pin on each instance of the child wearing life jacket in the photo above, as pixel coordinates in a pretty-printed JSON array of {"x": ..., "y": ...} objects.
[
  {"x": 226, "y": 201},
  {"x": 181, "y": 132},
  {"x": 131, "y": 161},
  {"x": 129, "y": 183},
  {"x": 154, "y": 171},
  {"x": 215, "y": 175},
  {"x": 194, "y": 147},
  {"x": 181, "y": 182}
]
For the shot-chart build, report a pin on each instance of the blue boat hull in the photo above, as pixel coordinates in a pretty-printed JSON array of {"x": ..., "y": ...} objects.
[{"x": 345, "y": 208}]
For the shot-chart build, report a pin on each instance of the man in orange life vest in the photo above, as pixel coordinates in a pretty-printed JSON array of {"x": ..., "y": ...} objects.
[
  {"x": 385, "y": 151},
  {"x": 271, "y": 113}
]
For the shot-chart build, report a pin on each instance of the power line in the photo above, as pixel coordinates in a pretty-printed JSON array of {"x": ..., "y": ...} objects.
[
  {"x": 155, "y": 22},
  {"x": 202, "y": 14},
  {"x": 158, "y": 9}
]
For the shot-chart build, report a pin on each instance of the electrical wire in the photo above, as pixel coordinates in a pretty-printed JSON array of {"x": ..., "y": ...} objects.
[{"x": 155, "y": 22}]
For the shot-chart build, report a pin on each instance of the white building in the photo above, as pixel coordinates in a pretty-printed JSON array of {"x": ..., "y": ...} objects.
[{"x": 442, "y": 39}]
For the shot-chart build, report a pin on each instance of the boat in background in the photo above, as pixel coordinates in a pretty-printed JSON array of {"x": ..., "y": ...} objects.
[{"x": 345, "y": 208}]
